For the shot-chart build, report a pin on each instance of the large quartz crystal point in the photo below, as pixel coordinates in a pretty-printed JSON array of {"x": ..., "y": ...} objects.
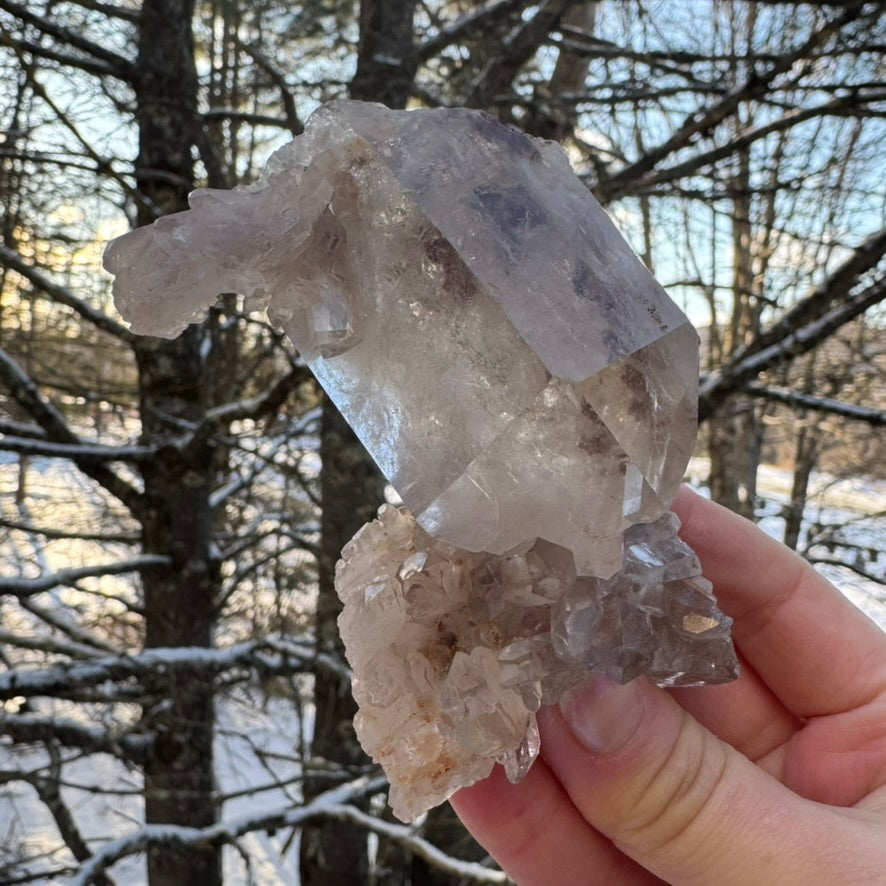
[
  {"x": 511, "y": 365},
  {"x": 522, "y": 381}
]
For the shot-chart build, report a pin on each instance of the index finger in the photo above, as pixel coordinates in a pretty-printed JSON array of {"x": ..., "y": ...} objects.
[{"x": 817, "y": 652}]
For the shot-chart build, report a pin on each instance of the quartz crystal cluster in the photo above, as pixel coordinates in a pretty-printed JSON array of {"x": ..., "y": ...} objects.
[
  {"x": 523, "y": 382},
  {"x": 453, "y": 652}
]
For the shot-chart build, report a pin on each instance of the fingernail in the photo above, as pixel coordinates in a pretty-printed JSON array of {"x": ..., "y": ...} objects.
[{"x": 603, "y": 715}]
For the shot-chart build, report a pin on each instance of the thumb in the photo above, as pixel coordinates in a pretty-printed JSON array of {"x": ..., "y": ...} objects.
[{"x": 676, "y": 799}]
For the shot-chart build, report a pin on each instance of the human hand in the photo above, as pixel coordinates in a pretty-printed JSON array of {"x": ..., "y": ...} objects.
[{"x": 777, "y": 778}]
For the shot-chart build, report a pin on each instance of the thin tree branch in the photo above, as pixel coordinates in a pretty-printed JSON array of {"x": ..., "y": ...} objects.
[
  {"x": 223, "y": 832},
  {"x": 292, "y": 123},
  {"x": 75, "y": 452},
  {"x": 48, "y": 644},
  {"x": 26, "y": 393},
  {"x": 28, "y": 587},
  {"x": 32, "y": 728},
  {"x": 868, "y": 414},
  {"x": 701, "y": 122},
  {"x": 470, "y": 26},
  {"x": 406, "y": 837},
  {"x": 40, "y": 877},
  {"x": 247, "y": 117},
  {"x": 852, "y": 567},
  {"x": 102, "y": 163},
  {"x": 255, "y": 407},
  {"x": 129, "y": 15},
  {"x": 599, "y": 48},
  {"x": 21, "y": 429},
  {"x": 514, "y": 51},
  {"x": 49, "y": 792},
  {"x": 835, "y": 287},
  {"x": 843, "y": 106},
  {"x": 742, "y": 369},
  {"x": 90, "y": 66},
  {"x": 53, "y": 533},
  {"x": 120, "y": 66},
  {"x": 60, "y": 618},
  {"x": 63, "y": 295}
]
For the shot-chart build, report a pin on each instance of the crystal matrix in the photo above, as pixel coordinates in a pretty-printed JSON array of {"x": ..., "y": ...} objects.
[{"x": 521, "y": 379}]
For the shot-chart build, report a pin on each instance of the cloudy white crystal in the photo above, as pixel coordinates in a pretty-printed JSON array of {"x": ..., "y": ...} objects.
[{"x": 518, "y": 375}]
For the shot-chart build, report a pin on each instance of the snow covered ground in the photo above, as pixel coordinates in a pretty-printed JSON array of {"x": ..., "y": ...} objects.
[{"x": 256, "y": 766}]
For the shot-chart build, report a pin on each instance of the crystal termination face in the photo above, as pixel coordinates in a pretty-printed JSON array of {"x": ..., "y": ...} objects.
[{"x": 519, "y": 377}]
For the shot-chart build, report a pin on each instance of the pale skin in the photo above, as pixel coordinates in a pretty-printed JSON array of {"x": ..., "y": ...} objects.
[{"x": 779, "y": 777}]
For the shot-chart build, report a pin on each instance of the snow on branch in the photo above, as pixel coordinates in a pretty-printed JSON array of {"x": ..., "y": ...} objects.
[
  {"x": 32, "y": 728},
  {"x": 871, "y": 415},
  {"x": 334, "y": 803},
  {"x": 405, "y": 836},
  {"x": 28, "y": 587},
  {"x": 269, "y": 656},
  {"x": 43, "y": 642}
]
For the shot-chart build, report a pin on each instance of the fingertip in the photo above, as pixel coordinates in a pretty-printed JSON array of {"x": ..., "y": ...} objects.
[{"x": 699, "y": 515}]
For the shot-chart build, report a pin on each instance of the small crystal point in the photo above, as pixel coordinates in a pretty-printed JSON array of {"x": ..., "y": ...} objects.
[
  {"x": 520, "y": 378},
  {"x": 518, "y": 762}
]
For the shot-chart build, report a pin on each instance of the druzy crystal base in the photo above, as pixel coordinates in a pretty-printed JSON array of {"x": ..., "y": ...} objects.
[
  {"x": 453, "y": 652},
  {"x": 521, "y": 379}
]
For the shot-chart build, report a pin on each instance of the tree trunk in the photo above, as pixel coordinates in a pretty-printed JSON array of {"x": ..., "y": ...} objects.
[
  {"x": 805, "y": 457},
  {"x": 386, "y": 58},
  {"x": 351, "y": 490},
  {"x": 177, "y": 520},
  {"x": 735, "y": 433},
  {"x": 735, "y": 438},
  {"x": 549, "y": 116}
]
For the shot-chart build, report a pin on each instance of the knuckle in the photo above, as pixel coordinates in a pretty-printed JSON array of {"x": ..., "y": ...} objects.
[{"x": 682, "y": 790}]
